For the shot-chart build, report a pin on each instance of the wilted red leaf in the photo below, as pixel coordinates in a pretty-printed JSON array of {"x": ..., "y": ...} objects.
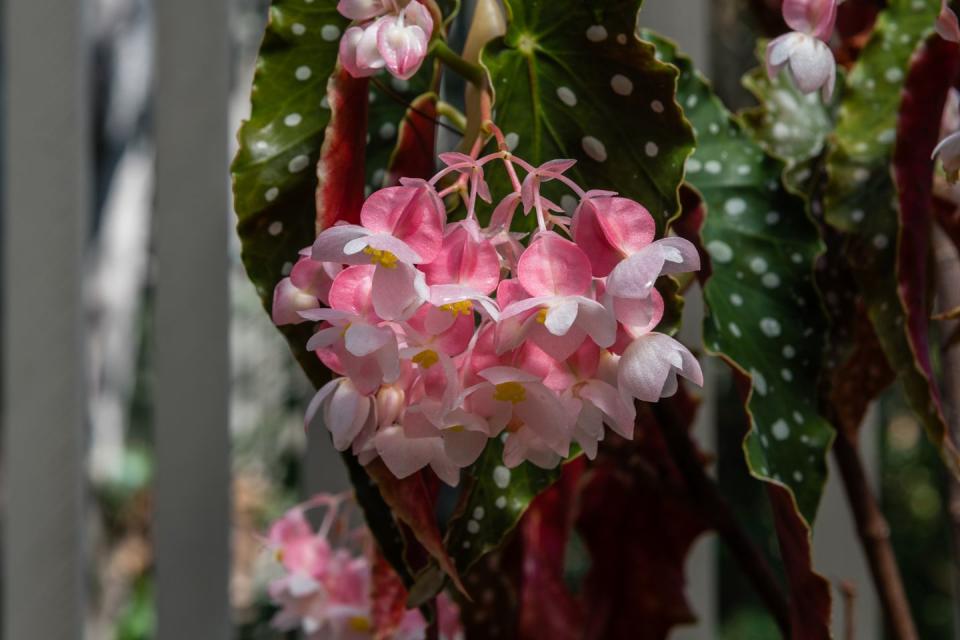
[
  {"x": 413, "y": 503},
  {"x": 340, "y": 170}
]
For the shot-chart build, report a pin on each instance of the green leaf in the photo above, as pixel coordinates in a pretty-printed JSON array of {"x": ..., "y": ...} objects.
[
  {"x": 763, "y": 311},
  {"x": 571, "y": 80},
  {"x": 280, "y": 142},
  {"x": 496, "y": 498},
  {"x": 861, "y": 198},
  {"x": 788, "y": 124}
]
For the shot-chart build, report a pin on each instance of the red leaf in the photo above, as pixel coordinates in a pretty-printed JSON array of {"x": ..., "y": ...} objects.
[
  {"x": 547, "y": 608},
  {"x": 340, "y": 170},
  {"x": 639, "y": 526},
  {"x": 415, "y": 154},
  {"x": 932, "y": 72},
  {"x": 809, "y": 591},
  {"x": 412, "y": 501}
]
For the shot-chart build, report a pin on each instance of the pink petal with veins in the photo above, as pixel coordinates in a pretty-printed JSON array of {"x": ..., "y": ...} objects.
[
  {"x": 413, "y": 214},
  {"x": 554, "y": 266}
]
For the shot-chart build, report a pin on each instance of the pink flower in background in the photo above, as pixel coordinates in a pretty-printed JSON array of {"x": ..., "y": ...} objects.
[
  {"x": 326, "y": 589},
  {"x": 947, "y": 25},
  {"x": 446, "y": 334},
  {"x": 389, "y": 37},
  {"x": 804, "y": 51}
]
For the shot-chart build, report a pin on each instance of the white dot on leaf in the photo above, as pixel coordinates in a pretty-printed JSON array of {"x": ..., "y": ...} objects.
[
  {"x": 298, "y": 164},
  {"x": 770, "y": 327},
  {"x": 330, "y": 32},
  {"x": 275, "y": 228},
  {"x": 651, "y": 149},
  {"x": 657, "y": 106},
  {"x": 271, "y": 194},
  {"x": 621, "y": 85},
  {"x": 735, "y": 206},
  {"x": 567, "y": 96},
  {"x": 303, "y": 73},
  {"x": 293, "y": 119},
  {"x": 501, "y": 477},
  {"x": 594, "y": 148},
  {"x": 597, "y": 33},
  {"x": 298, "y": 29},
  {"x": 719, "y": 251},
  {"x": 780, "y": 430}
]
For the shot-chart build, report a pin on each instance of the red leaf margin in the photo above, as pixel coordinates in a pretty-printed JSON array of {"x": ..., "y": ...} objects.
[{"x": 932, "y": 72}]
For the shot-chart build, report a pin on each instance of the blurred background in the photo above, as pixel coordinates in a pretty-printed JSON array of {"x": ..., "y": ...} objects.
[{"x": 271, "y": 463}]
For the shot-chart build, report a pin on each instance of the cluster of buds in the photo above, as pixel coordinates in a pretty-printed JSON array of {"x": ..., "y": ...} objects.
[
  {"x": 325, "y": 589},
  {"x": 804, "y": 51},
  {"x": 390, "y": 34},
  {"x": 447, "y": 334}
]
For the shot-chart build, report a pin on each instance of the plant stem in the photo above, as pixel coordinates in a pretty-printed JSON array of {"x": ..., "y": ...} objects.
[
  {"x": 451, "y": 113},
  {"x": 874, "y": 536},
  {"x": 718, "y": 513},
  {"x": 473, "y": 73}
]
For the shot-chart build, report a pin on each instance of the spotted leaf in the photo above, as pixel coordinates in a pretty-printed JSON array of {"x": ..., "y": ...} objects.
[
  {"x": 763, "y": 311},
  {"x": 861, "y": 201},
  {"x": 571, "y": 80}
]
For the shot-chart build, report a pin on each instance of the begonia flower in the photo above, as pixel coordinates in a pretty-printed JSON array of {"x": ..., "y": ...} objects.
[
  {"x": 391, "y": 37},
  {"x": 556, "y": 312},
  {"x": 649, "y": 367},
  {"x": 804, "y": 51}
]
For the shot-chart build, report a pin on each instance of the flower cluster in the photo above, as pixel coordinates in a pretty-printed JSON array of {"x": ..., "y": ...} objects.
[
  {"x": 391, "y": 34},
  {"x": 433, "y": 365},
  {"x": 804, "y": 51},
  {"x": 325, "y": 590}
]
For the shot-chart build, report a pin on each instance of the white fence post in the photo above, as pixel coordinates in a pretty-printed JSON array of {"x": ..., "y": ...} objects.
[
  {"x": 192, "y": 513},
  {"x": 46, "y": 185}
]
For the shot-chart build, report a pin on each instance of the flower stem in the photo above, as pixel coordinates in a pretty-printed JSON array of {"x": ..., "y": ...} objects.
[
  {"x": 473, "y": 73},
  {"x": 451, "y": 113}
]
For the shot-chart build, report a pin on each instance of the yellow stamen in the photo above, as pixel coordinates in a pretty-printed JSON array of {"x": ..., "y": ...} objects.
[
  {"x": 426, "y": 358},
  {"x": 510, "y": 392},
  {"x": 542, "y": 316},
  {"x": 279, "y": 555},
  {"x": 381, "y": 257},
  {"x": 360, "y": 624},
  {"x": 457, "y": 428},
  {"x": 464, "y": 307}
]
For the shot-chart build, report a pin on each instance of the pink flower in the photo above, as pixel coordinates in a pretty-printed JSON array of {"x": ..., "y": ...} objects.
[
  {"x": 345, "y": 411},
  {"x": 366, "y": 349},
  {"x": 361, "y": 9},
  {"x": 616, "y": 233},
  {"x": 539, "y": 428},
  {"x": 556, "y": 312},
  {"x": 308, "y": 286},
  {"x": 804, "y": 50},
  {"x": 947, "y": 25},
  {"x": 400, "y": 227},
  {"x": 392, "y": 38},
  {"x": 464, "y": 272},
  {"x": 649, "y": 367}
]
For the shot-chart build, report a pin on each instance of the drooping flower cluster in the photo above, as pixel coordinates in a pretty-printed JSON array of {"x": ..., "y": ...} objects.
[
  {"x": 326, "y": 586},
  {"x": 390, "y": 34},
  {"x": 804, "y": 51},
  {"x": 432, "y": 365}
]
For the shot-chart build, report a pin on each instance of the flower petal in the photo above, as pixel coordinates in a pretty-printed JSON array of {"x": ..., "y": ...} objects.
[{"x": 554, "y": 266}]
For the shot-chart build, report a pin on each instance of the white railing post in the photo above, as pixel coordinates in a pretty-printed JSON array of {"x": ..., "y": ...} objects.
[
  {"x": 192, "y": 512},
  {"x": 47, "y": 189}
]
